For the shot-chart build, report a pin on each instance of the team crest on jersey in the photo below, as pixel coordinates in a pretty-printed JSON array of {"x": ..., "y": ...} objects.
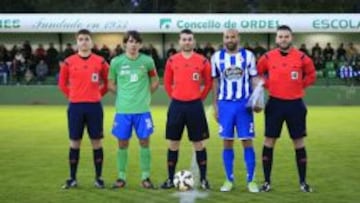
[
  {"x": 196, "y": 76},
  {"x": 240, "y": 58},
  {"x": 294, "y": 75},
  {"x": 233, "y": 73},
  {"x": 95, "y": 77}
]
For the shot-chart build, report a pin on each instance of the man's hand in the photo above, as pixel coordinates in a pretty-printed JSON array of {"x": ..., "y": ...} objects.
[{"x": 257, "y": 109}]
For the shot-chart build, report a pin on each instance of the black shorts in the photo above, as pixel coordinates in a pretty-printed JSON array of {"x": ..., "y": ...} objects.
[
  {"x": 293, "y": 112},
  {"x": 85, "y": 114},
  {"x": 190, "y": 114}
]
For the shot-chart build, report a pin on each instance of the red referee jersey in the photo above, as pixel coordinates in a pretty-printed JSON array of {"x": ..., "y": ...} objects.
[
  {"x": 84, "y": 79},
  {"x": 286, "y": 76},
  {"x": 184, "y": 77}
]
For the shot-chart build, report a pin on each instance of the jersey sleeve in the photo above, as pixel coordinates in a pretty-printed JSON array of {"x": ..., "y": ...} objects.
[
  {"x": 150, "y": 66},
  {"x": 214, "y": 69},
  {"x": 262, "y": 68},
  {"x": 309, "y": 72},
  {"x": 64, "y": 78},
  {"x": 104, "y": 76},
  {"x": 207, "y": 79},
  {"x": 168, "y": 77}
]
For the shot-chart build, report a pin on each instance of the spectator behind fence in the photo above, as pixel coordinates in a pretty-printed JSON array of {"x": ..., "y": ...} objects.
[
  {"x": 316, "y": 50},
  {"x": 198, "y": 49},
  {"x": 208, "y": 50},
  {"x": 118, "y": 50},
  {"x": 318, "y": 61},
  {"x": 4, "y": 54},
  {"x": 171, "y": 51},
  {"x": 145, "y": 50},
  {"x": 259, "y": 50},
  {"x": 29, "y": 71},
  {"x": 68, "y": 50},
  {"x": 351, "y": 52},
  {"x": 40, "y": 52},
  {"x": 4, "y": 72},
  {"x": 154, "y": 54},
  {"x": 14, "y": 50},
  {"x": 248, "y": 47},
  {"x": 41, "y": 71},
  {"x": 27, "y": 50},
  {"x": 346, "y": 73},
  {"x": 95, "y": 49},
  {"x": 105, "y": 53},
  {"x": 29, "y": 76},
  {"x": 18, "y": 67},
  {"x": 52, "y": 59},
  {"x": 328, "y": 52},
  {"x": 341, "y": 52},
  {"x": 304, "y": 49}
]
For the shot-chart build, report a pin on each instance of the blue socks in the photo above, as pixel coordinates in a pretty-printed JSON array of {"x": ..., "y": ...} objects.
[
  {"x": 249, "y": 156},
  {"x": 228, "y": 161}
]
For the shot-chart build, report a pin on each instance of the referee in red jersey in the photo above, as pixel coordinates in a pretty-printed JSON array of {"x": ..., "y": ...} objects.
[
  {"x": 185, "y": 73},
  {"x": 287, "y": 72},
  {"x": 83, "y": 80}
]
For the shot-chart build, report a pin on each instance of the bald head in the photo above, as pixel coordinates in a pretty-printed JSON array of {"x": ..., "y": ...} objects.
[
  {"x": 231, "y": 40},
  {"x": 231, "y": 31}
]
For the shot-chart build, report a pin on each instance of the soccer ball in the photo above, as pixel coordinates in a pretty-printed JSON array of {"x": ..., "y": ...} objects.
[{"x": 184, "y": 180}]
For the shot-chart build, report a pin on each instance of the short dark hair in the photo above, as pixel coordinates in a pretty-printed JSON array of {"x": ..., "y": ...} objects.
[
  {"x": 83, "y": 32},
  {"x": 134, "y": 34},
  {"x": 186, "y": 31},
  {"x": 284, "y": 27}
]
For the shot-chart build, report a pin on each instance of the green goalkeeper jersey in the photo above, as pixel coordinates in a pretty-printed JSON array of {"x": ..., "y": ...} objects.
[{"x": 132, "y": 80}]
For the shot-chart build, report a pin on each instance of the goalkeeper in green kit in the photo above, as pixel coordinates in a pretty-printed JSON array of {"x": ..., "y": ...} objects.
[{"x": 133, "y": 78}]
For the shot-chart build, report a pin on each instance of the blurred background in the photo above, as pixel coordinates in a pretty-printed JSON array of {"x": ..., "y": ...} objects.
[{"x": 34, "y": 57}]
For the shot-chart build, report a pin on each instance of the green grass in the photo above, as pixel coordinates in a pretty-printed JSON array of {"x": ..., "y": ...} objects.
[{"x": 34, "y": 147}]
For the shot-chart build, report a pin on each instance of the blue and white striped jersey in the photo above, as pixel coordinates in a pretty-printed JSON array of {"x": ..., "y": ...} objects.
[{"x": 233, "y": 72}]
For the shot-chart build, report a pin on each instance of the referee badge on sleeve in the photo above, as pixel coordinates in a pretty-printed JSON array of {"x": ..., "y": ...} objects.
[
  {"x": 95, "y": 77},
  {"x": 294, "y": 75}
]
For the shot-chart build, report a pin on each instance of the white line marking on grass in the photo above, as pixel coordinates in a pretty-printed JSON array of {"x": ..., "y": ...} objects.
[{"x": 192, "y": 195}]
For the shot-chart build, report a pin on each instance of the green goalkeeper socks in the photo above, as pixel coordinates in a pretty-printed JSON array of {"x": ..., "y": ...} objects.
[
  {"x": 122, "y": 157},
  {"x": 145, "y": 160}
]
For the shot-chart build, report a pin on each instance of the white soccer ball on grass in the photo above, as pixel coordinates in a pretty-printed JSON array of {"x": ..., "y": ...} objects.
[{"x": 184, "y": 180}]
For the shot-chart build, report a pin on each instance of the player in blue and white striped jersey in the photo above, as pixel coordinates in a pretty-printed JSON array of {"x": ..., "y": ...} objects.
[{"x": 234, "y": 72}]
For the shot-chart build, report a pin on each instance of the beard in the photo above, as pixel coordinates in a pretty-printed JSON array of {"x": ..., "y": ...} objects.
[
  {"x": 187, "y": 48},
  {"x": 231, "y": 46},
  {"x": 284, "y": 48}
]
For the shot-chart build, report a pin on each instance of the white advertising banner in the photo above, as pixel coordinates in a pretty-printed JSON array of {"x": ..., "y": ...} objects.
[{"x": 172, "y": 23}]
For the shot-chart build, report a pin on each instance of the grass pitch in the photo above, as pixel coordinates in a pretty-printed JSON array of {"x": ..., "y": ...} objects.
[{"x": 34, "y": 148}]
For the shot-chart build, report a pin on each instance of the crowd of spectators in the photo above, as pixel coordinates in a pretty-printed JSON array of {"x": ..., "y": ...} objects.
[{"x": 25, "y": 65}]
